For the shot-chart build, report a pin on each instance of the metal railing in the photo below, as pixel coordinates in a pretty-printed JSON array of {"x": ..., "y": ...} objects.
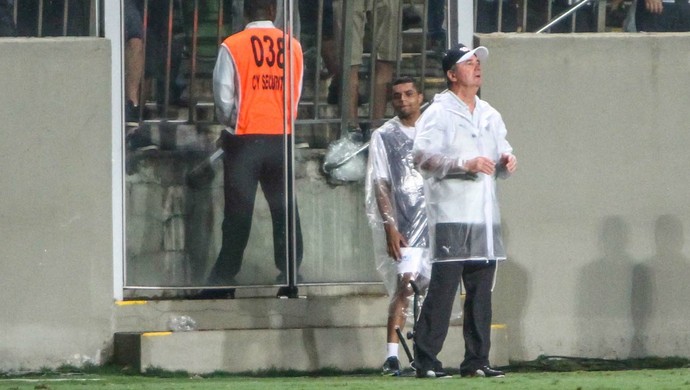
[
  {"x": 200, "y": 25},
  {"x": 41, "y": 18}
]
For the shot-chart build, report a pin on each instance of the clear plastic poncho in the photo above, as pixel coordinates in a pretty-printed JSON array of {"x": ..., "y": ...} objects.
[
  {"x": 462, "y": 207},
  {"x": 395, "y": 197}
]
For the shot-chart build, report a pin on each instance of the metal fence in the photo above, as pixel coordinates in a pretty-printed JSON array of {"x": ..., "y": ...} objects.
[{"x": 181, "y": 40}]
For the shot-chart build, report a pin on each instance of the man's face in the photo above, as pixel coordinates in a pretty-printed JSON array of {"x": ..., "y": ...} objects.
[
  {"x": 406, "y": 100},
  {"x": 467, "y": 73}
]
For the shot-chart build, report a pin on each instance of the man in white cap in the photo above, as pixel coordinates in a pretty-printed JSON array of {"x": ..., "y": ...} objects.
[{"x": 461, "y": 150}]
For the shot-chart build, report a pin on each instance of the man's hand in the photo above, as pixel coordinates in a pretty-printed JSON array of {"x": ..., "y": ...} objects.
[
  {"x": 509, "y": 161},
  {"x": 394, "y": 241},
  {"x": 480, "y": 165},
  {"x": 654, "y": 6}
]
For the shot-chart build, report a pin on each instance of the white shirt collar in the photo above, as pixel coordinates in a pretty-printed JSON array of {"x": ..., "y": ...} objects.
[{"x": 260, "y": 24}]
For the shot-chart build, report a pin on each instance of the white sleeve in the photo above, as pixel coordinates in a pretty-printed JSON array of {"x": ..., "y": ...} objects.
[
  {"x": 431, "y": 157},
  {"x": 224, "y": 89}
]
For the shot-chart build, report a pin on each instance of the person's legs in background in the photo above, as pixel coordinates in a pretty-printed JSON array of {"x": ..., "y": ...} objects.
[
  {"x": 7, "y": 28},
  {"x": 435, "y": 17},
  {"x": 134, "y": 61}
]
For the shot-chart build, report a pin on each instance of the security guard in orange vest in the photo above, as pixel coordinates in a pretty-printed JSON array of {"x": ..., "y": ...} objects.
[{"x": 249, "y": 87}]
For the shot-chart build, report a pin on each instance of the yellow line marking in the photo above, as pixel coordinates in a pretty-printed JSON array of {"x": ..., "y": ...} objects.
[
  {"x": 156, "y": 334},
  {"x": 498, "y": 326},
  {"x": 129, "y": 303}
]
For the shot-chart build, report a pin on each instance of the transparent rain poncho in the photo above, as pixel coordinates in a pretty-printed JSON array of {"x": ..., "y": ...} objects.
[
  {"x": 462, "y": 207},
  {"x": 395, "y": 197}
]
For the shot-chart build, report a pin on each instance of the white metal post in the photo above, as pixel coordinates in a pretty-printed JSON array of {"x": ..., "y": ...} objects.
[
  {"x": 113, "y": 32},
  {"x": 465, "y": 18}
]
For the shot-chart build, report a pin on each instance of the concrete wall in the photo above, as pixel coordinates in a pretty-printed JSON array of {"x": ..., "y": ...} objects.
[
  {"x": 598, "y": 216},
  {"x": 595, "y": 217},
  {"x": 55, "y": 208}
]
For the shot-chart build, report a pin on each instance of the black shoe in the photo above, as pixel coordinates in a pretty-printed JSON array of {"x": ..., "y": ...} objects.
[
  {"x": 288, "y": 292},
  {"x": 391, "y": 366},
  {"x": 139, "y": 139},
  {"x": 228, "y": 293},
  {"x": 486, "y": 372},
  {"x": 440, "y": 374},
  {"x": 131, "y": 114}
]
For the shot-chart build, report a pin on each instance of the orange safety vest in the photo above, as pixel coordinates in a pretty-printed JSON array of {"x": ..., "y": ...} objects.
[{"x": 260, "y": 61}]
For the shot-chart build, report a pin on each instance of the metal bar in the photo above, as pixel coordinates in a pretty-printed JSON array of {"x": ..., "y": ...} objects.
[
  {"x": 319, "y": 47},
  {"x": 549, "y": 12},
  {"x": 499, "y": 22},
  {"x": 191, "y": 116},
  {"x": 475, "y": 13},
  {"x": 94, "y": 16},
  {"x": 525, "y": 7},
  {"x": 453, "y": 22},
  {"x": 289, "y": 144},
  {"x": 15, "y": 11},
  {"x": 372, "y": 66},
  {"x": 398, "y": 52},
  {"x": 563, "y": 15},
  {"x": 65, "y": 17},
  {"x": 39, "y": 27},
  {"x": 168, "y": 61},
  {"x": 197, "y": 287},
  {"x": 573, "y": 23},
  {"x": 317, "y": 121},
  {"x": 219, "y": 31},
  {"x": 345, "y": 65},
  {"x": 601, "y": 16},
  {"x": 144, "y": 42}
]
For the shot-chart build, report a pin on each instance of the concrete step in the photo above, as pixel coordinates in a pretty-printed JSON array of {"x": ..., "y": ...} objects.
[
  {"x": 304, "y": 349},
  {"x": 344, "y": 332}
]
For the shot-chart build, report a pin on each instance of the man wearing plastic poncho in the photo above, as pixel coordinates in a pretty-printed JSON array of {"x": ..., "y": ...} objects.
[
  {"x": 396, "y": 210},
  {"x": 461, "y": 149}
]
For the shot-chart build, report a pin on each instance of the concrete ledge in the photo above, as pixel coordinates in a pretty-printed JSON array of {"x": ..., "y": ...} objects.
[
  {"x": 255, "y": 313},
  {"x": 304, "y": 349}
]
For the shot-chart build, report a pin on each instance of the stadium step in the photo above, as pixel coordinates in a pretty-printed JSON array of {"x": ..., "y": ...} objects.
[{"x": 252, "y": 334}]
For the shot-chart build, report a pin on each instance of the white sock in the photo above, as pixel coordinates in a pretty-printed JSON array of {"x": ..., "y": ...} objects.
[{"x": 392, "y": 350}]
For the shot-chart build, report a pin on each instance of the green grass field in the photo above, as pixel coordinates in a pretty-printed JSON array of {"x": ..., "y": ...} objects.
[
  {"x": 546, "y": 372},
  {"x": 635, "y": 379}
]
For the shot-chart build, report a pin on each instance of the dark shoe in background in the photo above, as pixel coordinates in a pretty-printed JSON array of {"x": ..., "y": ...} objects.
[
  {"x": 288, "y": 292},
  {"x": 139, "y": 139},
  {"x": 213, "y": 293}
]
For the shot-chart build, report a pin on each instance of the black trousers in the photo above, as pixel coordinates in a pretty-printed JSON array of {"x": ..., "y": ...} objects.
[
  {"x": 432, "y": 326},
  {"x": 250, "y": 160},
  {"x": 675, "y": 17}
]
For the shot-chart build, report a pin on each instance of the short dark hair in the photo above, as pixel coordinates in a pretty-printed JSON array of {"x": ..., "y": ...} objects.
[
  {"x": 405, "y": 80},
  {"x": 258, "y": 9}
]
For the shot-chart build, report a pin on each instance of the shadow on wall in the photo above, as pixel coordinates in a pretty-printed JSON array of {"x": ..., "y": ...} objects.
[
  {"x": 510, "y": 297},
  {"x": 604, "y": 294},
  {"x": 660, "y": 294},
  {"x": 627, "y": 308}
]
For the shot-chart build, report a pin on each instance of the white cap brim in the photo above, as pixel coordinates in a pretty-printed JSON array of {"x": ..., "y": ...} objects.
[{"x": 480, "y": 51}]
